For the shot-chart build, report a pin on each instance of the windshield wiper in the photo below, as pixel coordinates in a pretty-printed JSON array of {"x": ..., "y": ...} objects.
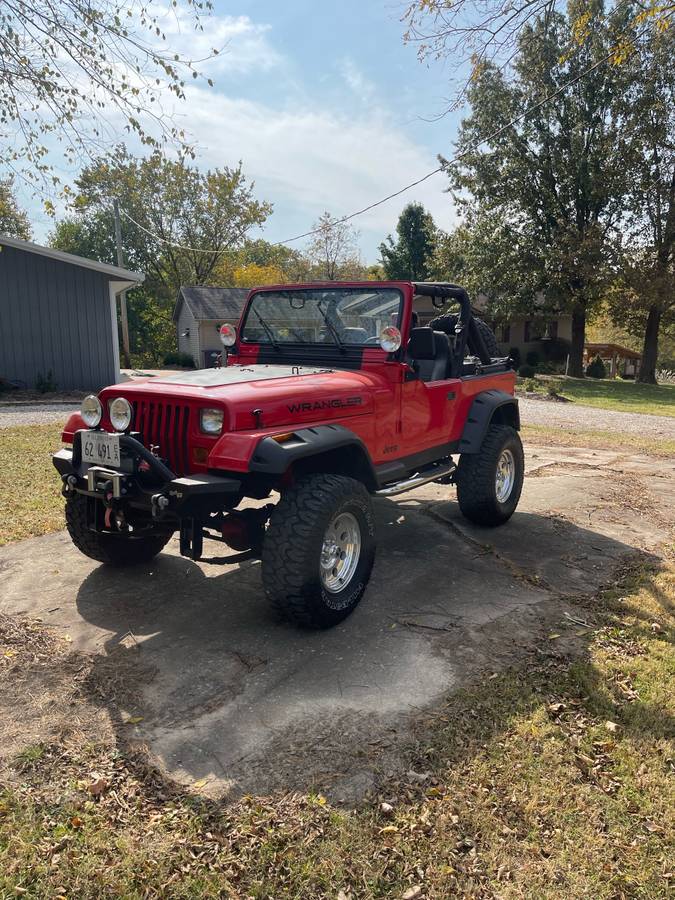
[
  {"x": 333, "y": 330},
  {"x": 268, "y": 331}
]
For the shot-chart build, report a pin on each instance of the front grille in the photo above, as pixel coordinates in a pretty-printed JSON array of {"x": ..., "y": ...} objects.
[{"x": 164, "y": 427}]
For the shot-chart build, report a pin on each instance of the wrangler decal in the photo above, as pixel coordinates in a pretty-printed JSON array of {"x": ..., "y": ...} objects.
[{"x": 324, "y": 404}]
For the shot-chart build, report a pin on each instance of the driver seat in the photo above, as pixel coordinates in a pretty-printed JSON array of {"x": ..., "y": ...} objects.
[{"x": 428, "y": 354}]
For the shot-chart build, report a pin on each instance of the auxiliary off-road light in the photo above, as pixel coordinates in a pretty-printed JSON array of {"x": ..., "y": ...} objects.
[
  {"x": 120, "y": 414},
  {"x": 211, "y": 421},
  {"x": 390, "y": 339},
  {"x": 228, "y": 335},
  {"x": 91, "y": 411}
]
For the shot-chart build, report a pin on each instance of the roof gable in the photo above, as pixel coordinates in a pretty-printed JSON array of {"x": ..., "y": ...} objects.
[{"x": 212, "y": 303}]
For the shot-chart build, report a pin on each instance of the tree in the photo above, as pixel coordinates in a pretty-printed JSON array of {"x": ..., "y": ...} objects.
[
  {"x": 70, "y": 71},
  {"x": 333, "y": 251},
  {"x": 13, "y": 221},
  {"x": 410, "y": 256},
  {"x": 474, "y": 32},
  {"x": 178, "y": 222},
  {"x": 558, "y": 177},
  {"x": 645, "y": 294}
]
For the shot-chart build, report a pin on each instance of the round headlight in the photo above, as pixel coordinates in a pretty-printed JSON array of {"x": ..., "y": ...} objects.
[
  {"x": 91, "y": 411},
  {"x": 228, "y": 335},
  {"x": 120, "y": 414},
  {"x": 390, "y": 339}
]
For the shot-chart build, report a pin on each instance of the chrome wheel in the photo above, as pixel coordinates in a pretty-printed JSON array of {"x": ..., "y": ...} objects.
[
  {"x": 340, "y": 552},
  {"x": 506, "y": 476}
]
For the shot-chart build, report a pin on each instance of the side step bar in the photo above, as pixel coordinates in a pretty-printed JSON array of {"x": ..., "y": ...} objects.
[{"x": 424, "y": 476}]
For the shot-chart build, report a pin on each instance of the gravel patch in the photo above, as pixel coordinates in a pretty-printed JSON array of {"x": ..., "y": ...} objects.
[
  {"x": 590, "y": 418},
  {"x": 39, "y": 414}
]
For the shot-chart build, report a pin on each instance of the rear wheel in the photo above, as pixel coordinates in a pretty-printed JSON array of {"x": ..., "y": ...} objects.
[
  {"x": 110, "y": 549},
  {"x": 319, "y": 550},
  {"x": 489, "y": 482}
]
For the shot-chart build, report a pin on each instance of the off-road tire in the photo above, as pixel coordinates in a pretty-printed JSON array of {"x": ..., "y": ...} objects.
[
  {"x": 447, "y": 324},
  {"x": 293, "y": 544},
  {"x": 476, "y": 478},
  {"x": 107, "y": 548}
]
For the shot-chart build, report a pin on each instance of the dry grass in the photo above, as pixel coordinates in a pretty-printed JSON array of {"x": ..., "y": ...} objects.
[
  {"x": 29, "y": 484},
  {"x": 604, "y": 440},
  {"x": 552, "y": 780}
]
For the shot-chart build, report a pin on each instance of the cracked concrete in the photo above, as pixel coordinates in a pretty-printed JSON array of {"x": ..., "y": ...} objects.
[{"x": 233, "y": 698}]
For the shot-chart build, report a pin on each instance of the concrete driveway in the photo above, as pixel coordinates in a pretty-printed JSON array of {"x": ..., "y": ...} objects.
[{"x": 234, "y": 700}]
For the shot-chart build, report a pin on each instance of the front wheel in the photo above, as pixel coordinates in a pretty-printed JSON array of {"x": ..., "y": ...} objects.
[
  {"x": 319, "y": 550},
  {"x": 110, "y": 549},
  {"x": 489, "y": 482}
]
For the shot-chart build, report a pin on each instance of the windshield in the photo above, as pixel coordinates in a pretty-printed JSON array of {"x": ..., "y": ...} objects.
[{"x": 331, "y": 316}]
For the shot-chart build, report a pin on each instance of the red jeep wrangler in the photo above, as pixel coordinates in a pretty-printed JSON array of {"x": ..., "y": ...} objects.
[{"x": 331, "y": 394}]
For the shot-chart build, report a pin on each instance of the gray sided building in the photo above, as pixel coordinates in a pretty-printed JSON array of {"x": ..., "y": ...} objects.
[
  {"x": 58, "y": 314},
  {"x": 199, "y": 313}
]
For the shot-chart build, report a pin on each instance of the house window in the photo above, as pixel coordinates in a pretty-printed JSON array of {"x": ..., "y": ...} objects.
[
  {"x": 505, "y": 334},
  {"x": 534, "y": 330},
  {"x": 527, "y": 336}
]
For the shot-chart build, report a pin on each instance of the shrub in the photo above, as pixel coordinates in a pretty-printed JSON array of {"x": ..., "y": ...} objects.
[
  {"x": 553, "y": 388},
  {"x": 532, "y": 358},
  {"x": 526, "y": 371},
  {"x": 45, "y": 384},
  {"x": 514, "y": 354},
  {"x": 174, "y": 358},
  {"x": 556, "y": 350},
  {"x": 531, "y": 385},
  {"x": 596, "y": 368}
]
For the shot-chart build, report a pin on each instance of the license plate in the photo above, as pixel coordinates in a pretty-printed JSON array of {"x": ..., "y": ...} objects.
[{"x": 99, "y": 447}]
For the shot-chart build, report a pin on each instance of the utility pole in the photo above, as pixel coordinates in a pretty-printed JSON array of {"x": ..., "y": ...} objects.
[{"x": 123, "y": 295}]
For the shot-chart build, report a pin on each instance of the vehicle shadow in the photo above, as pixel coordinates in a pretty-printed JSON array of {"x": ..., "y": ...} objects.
[{"x": 229, "y": 694}]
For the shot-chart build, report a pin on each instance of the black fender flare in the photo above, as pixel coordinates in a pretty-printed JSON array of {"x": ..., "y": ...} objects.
[
  {"x": 488, "y": 407},
  {"x": 336, "y": 444}
]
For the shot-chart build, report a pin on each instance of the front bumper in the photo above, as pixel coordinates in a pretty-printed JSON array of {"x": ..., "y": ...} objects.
[{"x": 145, "y": 482}]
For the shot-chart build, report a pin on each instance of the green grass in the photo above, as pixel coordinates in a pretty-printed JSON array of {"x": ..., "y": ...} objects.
[
  {"x": 29, "y": 484},
  {"x": 551, "y": 780},
  {"x": 623, "y": 396}
]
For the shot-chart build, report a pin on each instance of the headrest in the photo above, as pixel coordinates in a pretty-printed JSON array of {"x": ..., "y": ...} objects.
[{"x": 421, "y": 344}]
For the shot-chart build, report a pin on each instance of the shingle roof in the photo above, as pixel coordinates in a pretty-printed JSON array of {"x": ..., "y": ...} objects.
[{"x": 212, "y": 302}]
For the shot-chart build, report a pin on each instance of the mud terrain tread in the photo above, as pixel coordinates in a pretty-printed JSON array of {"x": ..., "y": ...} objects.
[
  {"x": 447, "y": 323},
  {"x": 292, "y": 528},
  {"x": 103, "y": 548},
  {"x": 475, "y": 479}
]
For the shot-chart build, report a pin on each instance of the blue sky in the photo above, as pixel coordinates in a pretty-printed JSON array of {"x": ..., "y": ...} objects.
[{"x": 325, "y": 106}]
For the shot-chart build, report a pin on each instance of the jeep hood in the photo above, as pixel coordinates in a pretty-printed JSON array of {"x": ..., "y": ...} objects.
[{"x": 265, "y": 396}]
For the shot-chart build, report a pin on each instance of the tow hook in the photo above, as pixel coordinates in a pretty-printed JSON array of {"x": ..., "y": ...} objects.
[
  {"x": 159, "y": 503},
  {"x": 68, "y": 484}
]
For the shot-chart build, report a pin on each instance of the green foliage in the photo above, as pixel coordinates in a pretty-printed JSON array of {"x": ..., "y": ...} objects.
[
  {"x": 532, "y": 358},
  {"x": 332, "y": 253},
  {"x": 545, "y": 190},
  {"x": 45, "y": 384},
  {"x": 596, "y": 368},
  {"x": 175, "y": 358},
  {"x": 530, "y": 385},
  {"x": 13, "y": 221},
  {"x": 410, "y": 256},
  {"x": 526, "y": 371}
]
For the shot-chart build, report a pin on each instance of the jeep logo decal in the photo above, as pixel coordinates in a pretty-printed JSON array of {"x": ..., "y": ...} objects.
[{"x": 324, "y": 404}]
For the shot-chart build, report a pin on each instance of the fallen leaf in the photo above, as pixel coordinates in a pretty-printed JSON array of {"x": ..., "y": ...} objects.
[
  {"x": 552, "y": 637},
  {"x": 611, "y": 726},
  {"x": 200, "y": 783},
  {"x": 419, "y": 777},
  {"x": 412, "y": 893},
  {"x": 76, "y": 822},
  {"x": 388, "y": 829},
  {"x": 97, "y": 785},
  {"x": 133, "y": 720},
  {"x": 386, "y": 808}
]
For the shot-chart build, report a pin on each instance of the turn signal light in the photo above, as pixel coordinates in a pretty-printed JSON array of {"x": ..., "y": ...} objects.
[{"x": 280, "y": 438}]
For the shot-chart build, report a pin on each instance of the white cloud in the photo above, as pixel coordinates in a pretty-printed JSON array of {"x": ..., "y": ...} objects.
[
  {"x": 356, "y": 80},
  {"x": 243, "y": 45},
  {"x": 310, "y": 159}
]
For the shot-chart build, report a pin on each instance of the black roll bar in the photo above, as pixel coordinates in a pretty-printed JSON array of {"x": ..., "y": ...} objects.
[{"x": 466, "y": 328}]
